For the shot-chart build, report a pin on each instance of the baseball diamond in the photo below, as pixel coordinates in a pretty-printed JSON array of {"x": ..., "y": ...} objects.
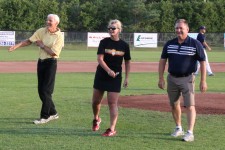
[{"x": 148, "y": 102}]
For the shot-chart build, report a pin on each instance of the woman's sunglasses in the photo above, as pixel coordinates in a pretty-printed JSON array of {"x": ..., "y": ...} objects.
[{"x": 112, "y": 28}]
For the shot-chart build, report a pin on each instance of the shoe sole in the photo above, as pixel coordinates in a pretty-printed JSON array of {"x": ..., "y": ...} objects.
[
  {"x": 49, "y": 119},
  {"x": 37, "y": 123},
  {"x": 53, "y": 118},
  {"x": 187, "y": 140},
  {"x": 190, "y": 139},
  {"x": 95, "y": 129},
  {"x": 182, "y": 134},
  {"x": 113, "y": 134}
]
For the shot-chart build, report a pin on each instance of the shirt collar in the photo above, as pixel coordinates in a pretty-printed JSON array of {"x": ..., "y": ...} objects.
[
  {"x": 57, "y": 32},
  {"x": 185, "y": 41}
]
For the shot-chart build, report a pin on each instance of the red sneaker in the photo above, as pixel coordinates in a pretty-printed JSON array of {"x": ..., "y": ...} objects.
[
  {"x": 96, "y": 124},
  {"x": 109, "y": 132}
]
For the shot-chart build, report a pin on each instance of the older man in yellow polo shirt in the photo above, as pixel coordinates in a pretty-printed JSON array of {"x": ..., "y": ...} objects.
[{"x": 50, "y": 41}]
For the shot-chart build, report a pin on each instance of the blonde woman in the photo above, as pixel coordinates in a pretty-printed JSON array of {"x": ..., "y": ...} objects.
[{"x": 111, "y": 53}]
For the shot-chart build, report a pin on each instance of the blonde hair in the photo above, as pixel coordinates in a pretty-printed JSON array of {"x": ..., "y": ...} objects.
[
  {"x": 56, "y": 17},
  {"x": 117, "y": 22}
]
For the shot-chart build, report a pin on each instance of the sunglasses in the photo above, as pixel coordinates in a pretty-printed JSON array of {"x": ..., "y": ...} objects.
[{"x": 111, "y": 28}]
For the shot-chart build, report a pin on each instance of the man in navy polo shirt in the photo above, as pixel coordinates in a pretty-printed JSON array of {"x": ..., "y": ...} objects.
[
  {"x": 182, "y": 54},
  {"x": 201, "y": 38}
]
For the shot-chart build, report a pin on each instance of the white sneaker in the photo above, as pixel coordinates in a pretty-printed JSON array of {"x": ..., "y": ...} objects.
[
  {"x": 188, "y": 137},
  {"x": 41, "y": 121},
  {"x": 177, "y": 132},
  {"x": 53, "y": 117}
]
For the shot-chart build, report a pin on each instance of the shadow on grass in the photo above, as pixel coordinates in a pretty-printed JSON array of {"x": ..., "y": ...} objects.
[
  {"x": 153, "y": 136},
  {"x": 26, "y": 126},
  {"x": 41, "y": 131},
  {"x": 16, "y": 120}
]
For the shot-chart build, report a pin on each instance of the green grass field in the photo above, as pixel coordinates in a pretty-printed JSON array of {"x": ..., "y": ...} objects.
[{"x": 137, "y": 129}]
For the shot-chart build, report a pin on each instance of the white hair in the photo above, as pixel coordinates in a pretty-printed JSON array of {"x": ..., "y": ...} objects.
[{"x": 56, "y": 17}]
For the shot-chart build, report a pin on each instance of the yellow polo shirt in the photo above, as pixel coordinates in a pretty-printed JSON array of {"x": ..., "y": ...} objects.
[{"x": 51, "y": 40}]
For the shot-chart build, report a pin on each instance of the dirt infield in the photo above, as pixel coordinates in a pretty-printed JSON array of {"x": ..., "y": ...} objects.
[
  {"x": 207, "y": 103},
  {"x": 17, "y": 67}
]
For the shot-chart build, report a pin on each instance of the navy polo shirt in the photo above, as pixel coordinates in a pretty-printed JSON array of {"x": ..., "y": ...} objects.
[
  {"x": 182, "y": 58},
  {"x": 201, "y": 38}
]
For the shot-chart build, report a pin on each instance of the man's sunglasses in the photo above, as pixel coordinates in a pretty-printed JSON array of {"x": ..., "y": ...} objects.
[{"x": 111, "y": 28}]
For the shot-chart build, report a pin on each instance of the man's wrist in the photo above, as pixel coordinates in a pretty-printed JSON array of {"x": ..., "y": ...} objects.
[
  {"x": 161, "y": 78},
  {"x": 202, "y": 81},
  {"x": 42, "y": 46}
]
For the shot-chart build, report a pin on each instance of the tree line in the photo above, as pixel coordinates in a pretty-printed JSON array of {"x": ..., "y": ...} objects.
[{"x": 93, "y": 15}]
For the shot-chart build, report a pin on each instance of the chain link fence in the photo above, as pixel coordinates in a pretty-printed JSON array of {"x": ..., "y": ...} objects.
[{"x": 78, "y": 40}]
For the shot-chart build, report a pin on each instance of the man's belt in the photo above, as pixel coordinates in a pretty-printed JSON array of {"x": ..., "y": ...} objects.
[
  {"x": 180, "y": 75},
  {"x": 47, "y": 59}
]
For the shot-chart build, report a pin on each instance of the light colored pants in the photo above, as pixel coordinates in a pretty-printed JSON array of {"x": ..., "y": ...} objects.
[
  {"x": 208, "y": 68},
  {"x": 181, "y": 85}
]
